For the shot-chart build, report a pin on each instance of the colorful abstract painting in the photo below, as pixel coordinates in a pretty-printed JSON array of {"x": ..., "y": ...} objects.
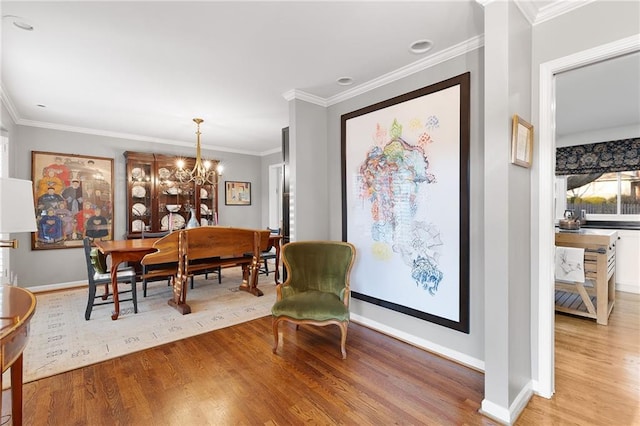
[{"x": 405, "y": 197}]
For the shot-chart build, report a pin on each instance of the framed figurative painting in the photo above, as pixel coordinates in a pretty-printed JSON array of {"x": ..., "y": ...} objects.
[
  {"x": 73, "y": 196},
  {"x": 405, "y": 165},
  {"x": 237, "y": 193}
]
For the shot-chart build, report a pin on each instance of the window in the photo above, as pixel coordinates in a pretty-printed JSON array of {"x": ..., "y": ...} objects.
[
  {"x": 613, "y": 196},
  {"x": 602, "y": 179}
]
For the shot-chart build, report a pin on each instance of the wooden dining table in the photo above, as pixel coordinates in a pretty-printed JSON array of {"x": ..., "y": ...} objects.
[
  {"x": 123, "y": 251},
  {"x": 17, "y": 306},
  {"x": 135, "y": 249}
]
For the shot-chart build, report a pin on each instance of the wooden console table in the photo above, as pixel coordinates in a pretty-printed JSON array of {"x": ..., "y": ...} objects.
[
  {"x": 17, "y": 306},
  {"x": 599, "y": 267}
]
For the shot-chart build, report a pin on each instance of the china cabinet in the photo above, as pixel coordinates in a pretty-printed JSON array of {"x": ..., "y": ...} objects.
[{"x": 158, "y": 201}]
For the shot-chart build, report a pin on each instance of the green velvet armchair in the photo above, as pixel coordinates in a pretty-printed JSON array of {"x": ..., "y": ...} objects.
[{"x": 316, "y": 291}]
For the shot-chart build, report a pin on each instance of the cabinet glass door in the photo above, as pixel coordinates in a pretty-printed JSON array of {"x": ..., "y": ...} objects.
[{"x": 139, "y": 182}]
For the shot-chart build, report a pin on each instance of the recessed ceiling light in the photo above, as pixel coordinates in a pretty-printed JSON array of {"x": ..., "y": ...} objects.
[
  {"x": 23, "y": 25},
  {"x": 345, "y": 81},
  {"x": 19, "y": 22},
  {"x": 420, "y": 46}
]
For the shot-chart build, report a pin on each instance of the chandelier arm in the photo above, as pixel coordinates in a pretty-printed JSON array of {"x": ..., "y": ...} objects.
[{"x": 200, "y": 173}]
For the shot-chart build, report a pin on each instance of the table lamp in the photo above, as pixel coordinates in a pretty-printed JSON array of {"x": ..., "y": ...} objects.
[{"x": 16, "y": 209}]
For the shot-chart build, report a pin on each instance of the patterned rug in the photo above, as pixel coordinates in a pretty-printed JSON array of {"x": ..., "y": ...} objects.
[{"x": 61, "y": 340}]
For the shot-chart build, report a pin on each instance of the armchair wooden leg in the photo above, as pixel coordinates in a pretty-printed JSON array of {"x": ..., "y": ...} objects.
[
  {"x": 275, "y": 335},
  {"x": 343, "y": 338}
]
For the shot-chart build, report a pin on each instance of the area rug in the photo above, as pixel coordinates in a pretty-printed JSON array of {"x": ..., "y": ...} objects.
[{"x": 61, "y": 340}]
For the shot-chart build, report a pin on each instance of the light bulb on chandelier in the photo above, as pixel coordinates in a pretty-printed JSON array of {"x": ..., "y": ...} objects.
[{"x": 202, "y": 172}]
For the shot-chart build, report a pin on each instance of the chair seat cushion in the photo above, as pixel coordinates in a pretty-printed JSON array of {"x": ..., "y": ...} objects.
[
  {"x": 312, "y": 305},
  {"x": 123, "y": 274},
  {"x": 99, "y": 261}
]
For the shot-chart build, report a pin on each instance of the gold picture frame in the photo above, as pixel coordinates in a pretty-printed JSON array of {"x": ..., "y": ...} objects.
[
  {"x": 521, "y": 142},
  {"x": 73, "y": 197}
]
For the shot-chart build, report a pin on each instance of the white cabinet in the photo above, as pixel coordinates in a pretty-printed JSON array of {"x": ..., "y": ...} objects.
[{"x": 628, "y": 261}]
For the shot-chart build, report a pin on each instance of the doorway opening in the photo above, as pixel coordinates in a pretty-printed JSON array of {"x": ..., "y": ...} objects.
[
  {"x": 543, "y": 233},
  {"x": 275, "y": 196}
]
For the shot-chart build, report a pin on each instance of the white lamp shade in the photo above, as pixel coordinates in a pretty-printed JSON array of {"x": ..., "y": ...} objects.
[{"x": 17, "y": 211}]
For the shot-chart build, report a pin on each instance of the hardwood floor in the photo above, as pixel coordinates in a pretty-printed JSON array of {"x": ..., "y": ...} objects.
[
  {"x": 230, "y": 376},
  {"x": 597, "y": 371}
]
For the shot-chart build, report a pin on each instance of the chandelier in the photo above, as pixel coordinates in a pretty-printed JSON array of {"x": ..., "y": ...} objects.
[{"x": 202, "y": 172}]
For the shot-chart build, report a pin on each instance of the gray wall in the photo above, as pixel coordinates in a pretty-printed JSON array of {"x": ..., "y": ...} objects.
[
  {"x": 42, "y": 267},
  {"x": 309, "y": 172},
  {"x": 465, "y": 347},
  {"x": 519, "y": 204},
  {"x": 507, "y": 206}
]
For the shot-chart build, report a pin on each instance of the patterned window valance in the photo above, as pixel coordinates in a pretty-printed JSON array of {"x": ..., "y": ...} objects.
[{"x": 603, "y": 157}]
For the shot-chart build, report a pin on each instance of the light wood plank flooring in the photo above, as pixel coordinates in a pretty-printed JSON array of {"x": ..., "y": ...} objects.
[
  {"x": 230, "y": 376},
  {"x": 597, "y": 371}
]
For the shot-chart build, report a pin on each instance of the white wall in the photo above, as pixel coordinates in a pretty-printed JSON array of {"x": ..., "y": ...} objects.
[{"x": 588, "y": 27}]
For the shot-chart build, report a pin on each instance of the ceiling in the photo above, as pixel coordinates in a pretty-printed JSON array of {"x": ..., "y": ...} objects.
[
  {"x": 603, "y": 95},
  {"x": 142, "y": 70}
]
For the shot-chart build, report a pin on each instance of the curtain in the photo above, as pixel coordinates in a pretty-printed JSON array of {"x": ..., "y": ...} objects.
[{"x": 602, "y": 157}]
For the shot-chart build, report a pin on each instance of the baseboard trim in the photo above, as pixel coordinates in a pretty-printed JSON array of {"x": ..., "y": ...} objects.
[
  {"x": 628, "y": 288},
  {"x": 510, "y": 415},
  {"x": 427, "y": 345},
  {"x": 57, "y": 287}
]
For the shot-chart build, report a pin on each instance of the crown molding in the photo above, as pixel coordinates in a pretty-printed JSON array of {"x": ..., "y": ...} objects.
[
  {"x": 8, "y": 103},
  {"x": 430, "y": 61},
  {"x": 414, "y": 67},
  {"x": 292, "y": 94},
  {"x": 536, "y": 15},
  {"x": 555, "y": 9},
  {"x": 270, "y": 151},
  {"x": 528, "y": 9},
  {"x": 128, "y": 136}
]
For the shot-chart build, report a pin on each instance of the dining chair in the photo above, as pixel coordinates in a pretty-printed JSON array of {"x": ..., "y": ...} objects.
[
  {"x": 268, "y": 254},
  {"x": 98, "y": 274},
  {"x": 316, "y": 290},
  {"x": 147, "y": 276}
]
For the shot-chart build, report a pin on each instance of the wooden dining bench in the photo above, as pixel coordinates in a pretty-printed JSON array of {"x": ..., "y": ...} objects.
[{"x": 191, "y": 251}]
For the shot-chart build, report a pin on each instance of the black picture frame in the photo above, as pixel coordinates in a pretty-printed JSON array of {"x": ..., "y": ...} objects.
[
  {"x": 405, "y": 185},
  {"x": 237, "y": 193}
]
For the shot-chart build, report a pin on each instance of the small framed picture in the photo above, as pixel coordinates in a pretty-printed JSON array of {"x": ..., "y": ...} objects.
[
  {"x": 237, "y": 193},
  {"x": 521, "y": 142}
]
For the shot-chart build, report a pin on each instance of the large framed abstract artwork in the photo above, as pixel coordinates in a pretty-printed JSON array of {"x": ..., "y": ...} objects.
[
  {"x": 405, "y": 165},
  {"x": 73, "y": 196}
]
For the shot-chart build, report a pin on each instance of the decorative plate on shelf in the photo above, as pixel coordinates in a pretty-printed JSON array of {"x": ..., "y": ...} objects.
[
  {"x": 178, "y": 222},
  {"x": 204, "y": 209},
  {"x": 138, "y": 209},
  {"x": 137, "y": 173},
  {"x": 164, "y": 173},
  {"x": 172, "y": 191},
  {"x": 138, "y": 191},
  {"x": 203, "y": 193},
  {"x": 137, "y": 225}
]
